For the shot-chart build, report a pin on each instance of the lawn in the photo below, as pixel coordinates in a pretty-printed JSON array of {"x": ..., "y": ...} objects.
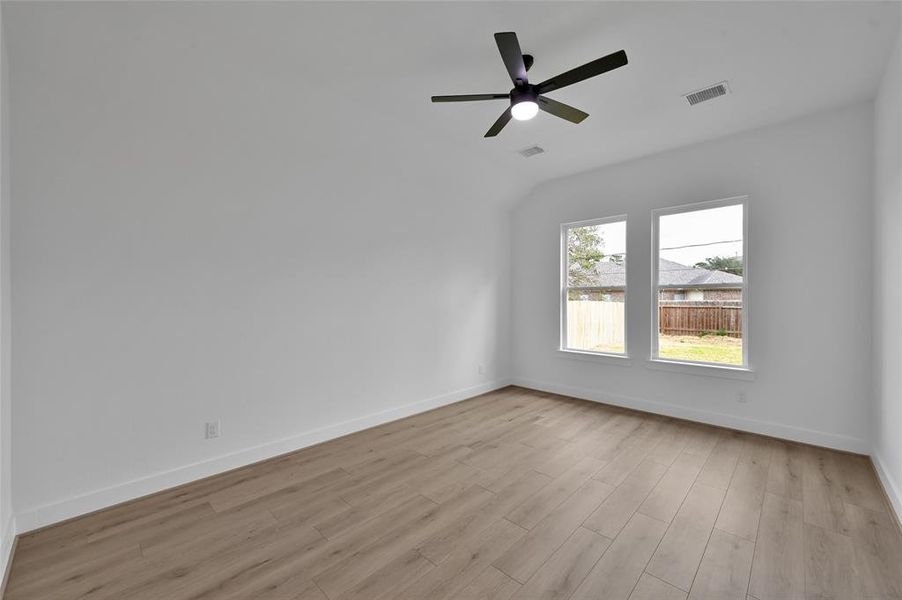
[
  {"x": 709, "y": 348},
  {"x": 609, "y": 348}
]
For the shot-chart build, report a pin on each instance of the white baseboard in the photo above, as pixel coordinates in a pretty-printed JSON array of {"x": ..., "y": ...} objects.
[
  {"x": 890, "y": 485},
  {"x": 48, "y": 514},
  {"x": 788, "y": 432},
  {"x": 7, "y": 543}
]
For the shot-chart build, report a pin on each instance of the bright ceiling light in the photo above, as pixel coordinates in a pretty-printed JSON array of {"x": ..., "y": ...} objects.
[{"x": 524, "y": 111}]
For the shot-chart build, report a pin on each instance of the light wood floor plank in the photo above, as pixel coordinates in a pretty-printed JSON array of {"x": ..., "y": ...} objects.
[
  {"x": 741, "y": 508},
  {"x": 347, "y": 573},
  {"x": 830, "y": 565},
  {"x": 740, "y": 513},
  {"x": 297, "y": 587},
  {"x": 778, "y": 569},
  {"x": 524, "y": 560},
  {"x": 784, "y": 477},
  {"x": 619, "y": 569},
  {"x": 539, "y": 506},
  {"x": 724, "y": 571},
  {"x": 665, "y": 499},
  {"x": 618, "y": 508},
  {"x": 491, "y": 584},
  {"x": 636, "y": 448},
  {"x": 718, "y": 469},
  {"x": 859, "y": 487},
  {"x": 702, "y": 440},
  {"x": 674, "y": 440},
  {"x": 207, "y": 576},
  {"x": 878, "y": 551},
  {"x": 337, "y": 518},
  {"x": 440, "y": 546},
  {"x": 677, "y": 558},
  {"x": 821, "y": 489},
  {"x": 568, "y": 566},
  {"x": 464, "y": 565},
  {"x": 384, "y": 581},
  {"x": 651, "y": 588}
]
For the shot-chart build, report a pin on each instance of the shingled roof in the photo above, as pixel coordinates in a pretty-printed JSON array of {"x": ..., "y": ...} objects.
[{"x": 671, "y": 274}]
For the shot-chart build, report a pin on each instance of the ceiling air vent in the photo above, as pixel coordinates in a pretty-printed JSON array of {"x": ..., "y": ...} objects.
[
  {"x": 531, "y": 151},
  {"x": 709, "y": 93}
]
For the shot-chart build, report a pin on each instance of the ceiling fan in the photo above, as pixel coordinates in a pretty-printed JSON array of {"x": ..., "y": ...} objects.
[{"x": 526, "y": 99}]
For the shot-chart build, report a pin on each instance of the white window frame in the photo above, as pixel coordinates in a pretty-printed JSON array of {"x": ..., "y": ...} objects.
[
  {"x": 562, "y": 342},
  {"x": 655, "y": 243}
]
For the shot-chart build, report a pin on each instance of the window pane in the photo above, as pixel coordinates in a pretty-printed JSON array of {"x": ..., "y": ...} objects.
[
  {"x": 596, "y": 267},
  {"x": 700, "y": 281}
]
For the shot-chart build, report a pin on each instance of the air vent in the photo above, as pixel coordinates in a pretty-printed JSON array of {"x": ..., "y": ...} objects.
[
  {"x": 531, "y": 151},
  {"x": 709, "y": 93}
]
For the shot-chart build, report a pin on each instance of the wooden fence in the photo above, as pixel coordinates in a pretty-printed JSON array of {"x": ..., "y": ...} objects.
[
  {"x": 592, "y": 324},
  {"x": 694, "y": 318}
]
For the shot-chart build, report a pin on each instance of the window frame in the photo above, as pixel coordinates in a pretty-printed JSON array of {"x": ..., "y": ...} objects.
[
  {"x": 655, "y": 290},
  {"x": 564, "y": 291}
]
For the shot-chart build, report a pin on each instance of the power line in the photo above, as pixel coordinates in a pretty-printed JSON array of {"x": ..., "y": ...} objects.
[
  {"x": 700, "y": 245},
  {"x": 681, "y": 247}
]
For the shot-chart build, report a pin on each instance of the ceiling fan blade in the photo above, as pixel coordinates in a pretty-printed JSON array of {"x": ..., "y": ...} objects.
[
  {"x": 559, "y": 109},
  {"x": 470, "y": 97},
  {"x": 512, "y": 56},
  {"x": 496, "y": 128},
  {"x": 590, "y": 69}
]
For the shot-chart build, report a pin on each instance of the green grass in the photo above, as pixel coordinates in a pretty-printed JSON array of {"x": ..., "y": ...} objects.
[
  {"x": 609, "y": 348},
  {"x": 710, "y": 348}
]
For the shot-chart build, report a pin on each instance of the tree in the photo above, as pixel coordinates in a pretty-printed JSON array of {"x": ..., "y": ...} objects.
[
  {"x": 727, "y": 264},
  {"x": 583, "y": 254}
]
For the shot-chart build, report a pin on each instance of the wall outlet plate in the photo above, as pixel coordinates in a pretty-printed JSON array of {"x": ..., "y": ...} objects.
[{"x": 213, "y": 429}]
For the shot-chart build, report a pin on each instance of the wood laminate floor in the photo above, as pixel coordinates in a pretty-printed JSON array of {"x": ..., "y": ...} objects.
[{"x": 512, "y": 495}]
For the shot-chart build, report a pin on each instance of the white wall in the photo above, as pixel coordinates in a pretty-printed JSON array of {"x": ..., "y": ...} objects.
[
  {"x": 184, "y": 252},
  {"x": 887, "y": 410},
  {"x": 809, "y": 185},
  {"x": 201, "y": 234},
  {"x": 7, "y": 525}
]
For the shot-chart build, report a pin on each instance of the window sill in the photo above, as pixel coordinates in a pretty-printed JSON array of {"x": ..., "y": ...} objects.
[
  {"x": 621, "y": 360},
  {"x": 704, "y": 370}
]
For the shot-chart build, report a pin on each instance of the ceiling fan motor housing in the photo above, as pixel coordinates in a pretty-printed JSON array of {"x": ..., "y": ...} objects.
[{"x": 524, "y": 94}]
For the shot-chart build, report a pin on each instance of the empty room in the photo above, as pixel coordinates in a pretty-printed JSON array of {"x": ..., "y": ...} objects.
[{"x": 450, "y": 300}]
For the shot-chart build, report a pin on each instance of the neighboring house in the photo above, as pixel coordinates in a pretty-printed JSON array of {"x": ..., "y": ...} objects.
[{"x": 680, "y": 283}]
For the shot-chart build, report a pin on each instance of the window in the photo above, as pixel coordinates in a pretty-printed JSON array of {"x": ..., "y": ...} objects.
[
  {"x": 593, "y": 286},
  {"x": 700, "y": 278}
]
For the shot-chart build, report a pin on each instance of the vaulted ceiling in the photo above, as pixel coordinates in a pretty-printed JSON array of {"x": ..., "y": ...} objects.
[{"x": 335, "y": 79}]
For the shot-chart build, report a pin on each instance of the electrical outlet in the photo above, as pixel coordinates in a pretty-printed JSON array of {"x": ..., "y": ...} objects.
[
  {"x": 213, "y": 429},
  {"x": 741, "y": 398},
  {"x": 481, "y": 369}
]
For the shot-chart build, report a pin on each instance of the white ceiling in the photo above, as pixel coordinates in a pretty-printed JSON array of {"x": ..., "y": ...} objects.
[
  {"x": 781, "y": 59},
  {"x": 347, "y": 73}
]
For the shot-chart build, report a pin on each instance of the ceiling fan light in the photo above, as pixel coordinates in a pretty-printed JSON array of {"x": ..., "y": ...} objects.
[{"x": 525, "y": 110}]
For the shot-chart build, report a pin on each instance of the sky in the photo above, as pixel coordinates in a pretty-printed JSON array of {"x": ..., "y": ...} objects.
[
  {"x": 613, "y": 236},
  {"x": 711, "y": 232},
  {"x": 707, "y": 233}
]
